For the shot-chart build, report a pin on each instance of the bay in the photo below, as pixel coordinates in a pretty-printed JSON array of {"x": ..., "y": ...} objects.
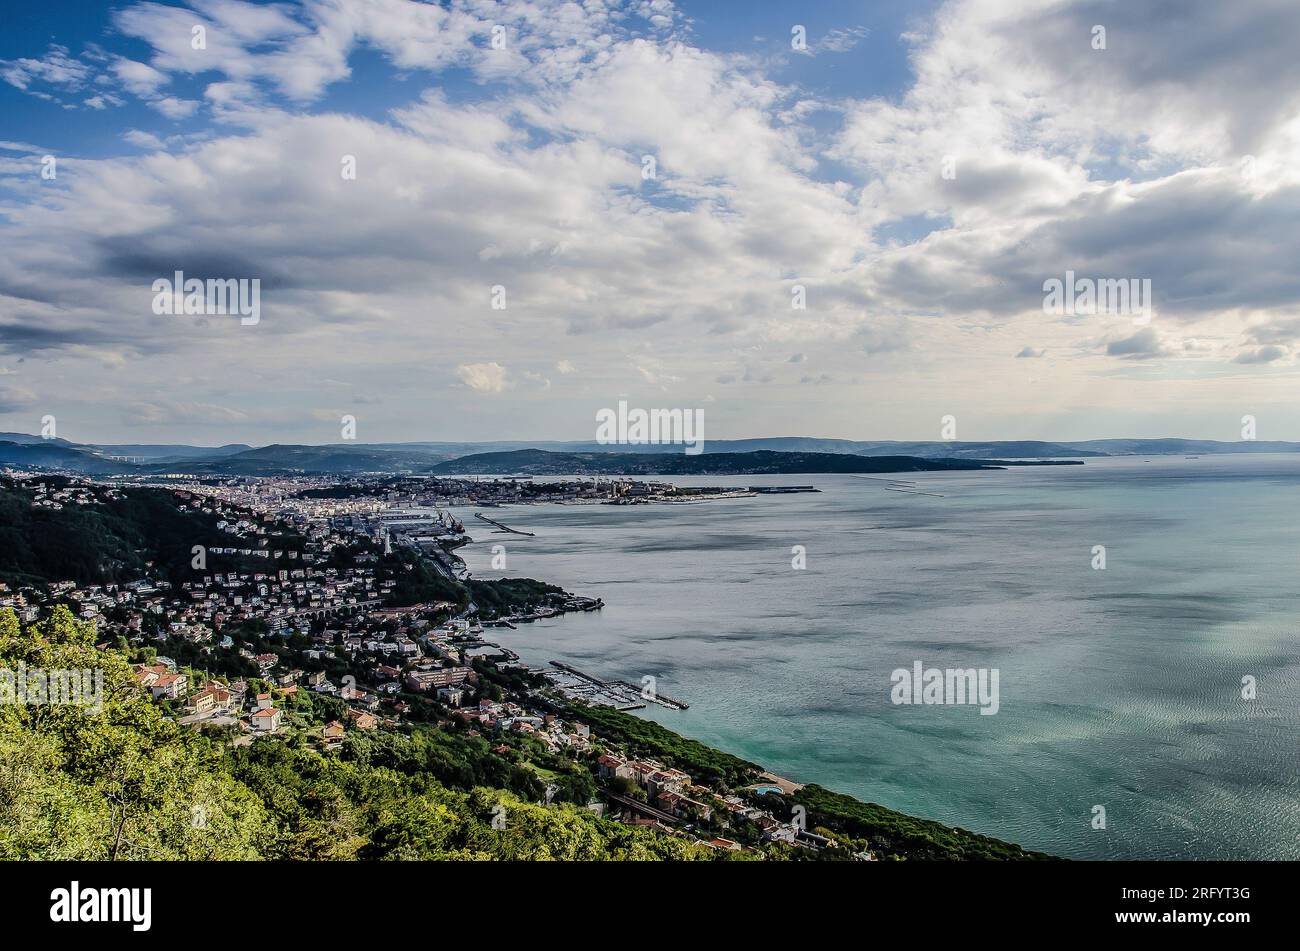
[{"x": 1119, "y": 688}]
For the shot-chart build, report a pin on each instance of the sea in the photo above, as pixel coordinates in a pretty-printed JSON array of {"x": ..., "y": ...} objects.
[{"x": 1148, "y": 689}]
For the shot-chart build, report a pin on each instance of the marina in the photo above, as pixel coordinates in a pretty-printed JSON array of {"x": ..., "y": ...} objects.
[{"x": 615, "y": 693}]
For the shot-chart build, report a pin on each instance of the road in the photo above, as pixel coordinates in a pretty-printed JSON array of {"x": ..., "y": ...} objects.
[{"x": 641, "y": 807}]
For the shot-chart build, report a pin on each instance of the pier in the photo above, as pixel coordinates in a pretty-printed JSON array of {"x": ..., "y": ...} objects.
[
  {"x": 502, "y": 528},
  {"x": 660, "y": 698},
  {"x": 617, "y": 688}
]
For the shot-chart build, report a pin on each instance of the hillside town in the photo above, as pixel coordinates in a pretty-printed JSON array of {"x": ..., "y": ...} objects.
[{"x": 289, "y": 625}]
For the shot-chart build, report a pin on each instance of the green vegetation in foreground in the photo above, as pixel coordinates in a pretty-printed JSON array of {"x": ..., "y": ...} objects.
[{"x": 129, "y": 782}]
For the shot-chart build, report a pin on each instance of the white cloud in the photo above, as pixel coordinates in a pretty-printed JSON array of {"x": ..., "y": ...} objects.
[
  {"x": 145, "y": 140},
  {"x": 920, "y": 285},
  {"x": 140, "y": 79},
  {"x": 841, "y": 39},
  {"x": 57, "y": 68},
  {"x": 174, "y": 108},
  {"x": 483, "y": 377}
]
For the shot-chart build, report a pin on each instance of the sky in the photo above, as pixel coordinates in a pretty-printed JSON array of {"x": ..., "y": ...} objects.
[{"x": 490, "y": 220}]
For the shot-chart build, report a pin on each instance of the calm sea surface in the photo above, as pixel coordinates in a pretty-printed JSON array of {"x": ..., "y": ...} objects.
[{"x": 1120, "y": 687}]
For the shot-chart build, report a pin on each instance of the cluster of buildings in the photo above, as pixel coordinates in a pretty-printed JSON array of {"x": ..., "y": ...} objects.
[
  {"x": 329, "y": 633},
  {"x": 197, "y": 610},
  {"x": 556, "y": 734},
  {"x": 218, "y": 703},
  {"x": 55, "y": 497},
  {"x": 668, "y": 789}
]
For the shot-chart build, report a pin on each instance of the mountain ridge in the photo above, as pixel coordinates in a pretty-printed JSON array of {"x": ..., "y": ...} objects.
[{"x": 34, "y": 452}]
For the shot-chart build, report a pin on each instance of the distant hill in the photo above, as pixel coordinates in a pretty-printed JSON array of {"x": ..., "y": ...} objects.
[
  {"x": 153, "y": 452},
  {"x": 52, "y": 455},
  {"x": 540, "y": 462},
  {"x": 419, "y": 458},
  {"x": 1005, "y": 449},
  {"x": 1020, "y": 449},
  {"x": 1167, "y": 447},
  {"x": 340, "y": 460},
  {"x": 25, "y": 439}
]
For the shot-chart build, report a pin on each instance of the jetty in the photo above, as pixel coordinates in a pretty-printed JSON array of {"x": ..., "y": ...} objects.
[
  {"x": 502, "y": 528},
  {"x": 896, "y": 488}
]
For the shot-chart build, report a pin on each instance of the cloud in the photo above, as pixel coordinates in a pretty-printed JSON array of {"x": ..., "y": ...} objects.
[
  {"x": 884, "y": 337},
  {"x": 1269, "y": 354},
  {"x": 1143, "y": 345},
  {"x": 174, "y": 108},
  {"x": 158, "y": 414},
  {"x": 298, "y": 52},
  {"x": 140, "y": 79},
  {"x": 14, "y": 399},
  {"x": 525, "y": 169},
  {"x": 842, "y": 39},
  {"x": 1285, "y": 330},
  {"x": 56, "y": 68},
  {"x": 145, "y": 140},
  {"x": 483, "y": 377}
]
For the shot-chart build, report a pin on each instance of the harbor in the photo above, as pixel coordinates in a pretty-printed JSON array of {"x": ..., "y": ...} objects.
[{"x": 620, "y": 694}]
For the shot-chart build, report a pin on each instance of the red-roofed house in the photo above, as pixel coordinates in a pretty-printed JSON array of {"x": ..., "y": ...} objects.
[
  {"x": 266, "y": 720},
  {"x": 169, "y": 685}
]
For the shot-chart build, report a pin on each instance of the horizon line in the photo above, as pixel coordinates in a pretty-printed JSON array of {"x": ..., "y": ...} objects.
[{"x": 704, "y": 441}]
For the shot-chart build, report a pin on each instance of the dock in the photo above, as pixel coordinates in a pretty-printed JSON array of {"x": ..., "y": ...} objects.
[
  {"x": 630, "y": 692},
  {"x": 660, "y": 698}
]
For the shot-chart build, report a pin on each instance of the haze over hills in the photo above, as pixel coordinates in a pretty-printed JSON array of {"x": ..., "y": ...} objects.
[
  {"x": 28, "y": 451},
  {"x": 155, "y": 452},
  {"x": 53, "y": 455},
  {"x": 1020, "y": 449},
  {"x": 763, "y": 462}
]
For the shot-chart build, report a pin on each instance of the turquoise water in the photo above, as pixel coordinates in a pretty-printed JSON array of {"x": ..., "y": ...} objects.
[{"x": 1118, "y": 687}]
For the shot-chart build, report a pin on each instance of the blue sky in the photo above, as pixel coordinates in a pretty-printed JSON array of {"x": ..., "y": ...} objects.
[
  {"x": 878, "y": 68},
  {"x": 919, "y": 170}
]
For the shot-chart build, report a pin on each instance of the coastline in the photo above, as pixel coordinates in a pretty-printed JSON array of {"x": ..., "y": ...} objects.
[{"x": 826, "y": 809}]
